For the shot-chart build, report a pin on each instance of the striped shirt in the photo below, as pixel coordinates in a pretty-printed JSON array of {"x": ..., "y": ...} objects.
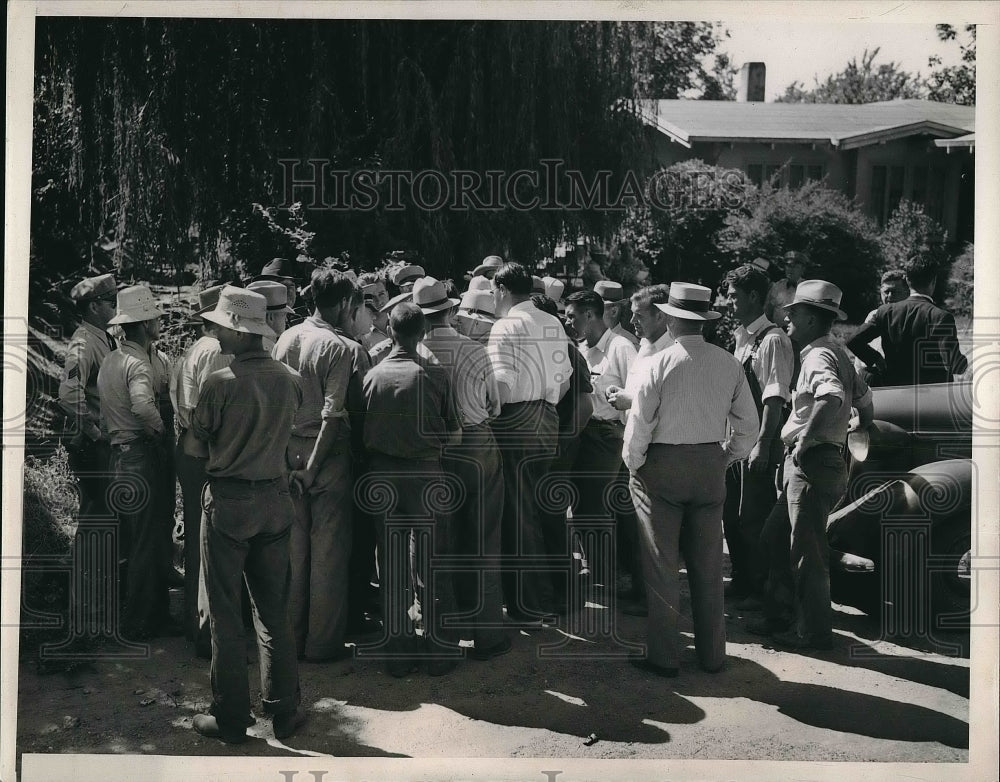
[
  {"x": 471, "y": 373},
  {"x": 690, "y": 392},
  {"x": 643, "y": 360},
  {"x": 529, "y": 350},
  {"x": 610, "y": 361}
]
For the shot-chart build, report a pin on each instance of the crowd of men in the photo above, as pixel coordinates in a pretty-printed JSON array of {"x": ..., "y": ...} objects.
[{"x": 462, "y": 448}]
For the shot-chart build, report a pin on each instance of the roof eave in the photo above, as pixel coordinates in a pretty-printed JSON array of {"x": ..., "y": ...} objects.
[{"x": 895, "y": 132}]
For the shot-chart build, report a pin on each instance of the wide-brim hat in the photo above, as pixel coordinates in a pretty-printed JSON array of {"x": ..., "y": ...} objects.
[
  {"x": 275, "y": 292},
  {"x": 478, "y": 305},
  {"x": 407, "y": 273},
  {"x": 488, "y": 266},
  {"x": 690, "y": 302},
  {"x": 207, "y": 299},
  {"x": 819, "y": 293},
  {"x": 135, "y": 305},
  {"x": 480, "y": 283},
  {"x": 241, "y": 310},
  {"x": 609, "y": 290},
  {"x": 99, "y": 287},
  {"x": 537, "y": 285},
  {"x": 277, "y": 270},
  {"x": 554, "y": 288},
  {"x": 397, "y": 299},
  {"x": 429, "y": 294}
]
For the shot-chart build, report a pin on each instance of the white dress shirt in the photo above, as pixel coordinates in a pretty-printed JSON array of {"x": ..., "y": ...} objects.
[
  {"x": 775, "y": 359},
  {"x": 689, "y": 393},
  {"x": 610, "y": 361},
  {"x": 640, "y": 367},
  {"x": 529, "y": 350}
]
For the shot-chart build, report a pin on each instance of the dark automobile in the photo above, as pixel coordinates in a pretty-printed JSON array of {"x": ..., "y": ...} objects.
[{"x": 901, "y": 537}]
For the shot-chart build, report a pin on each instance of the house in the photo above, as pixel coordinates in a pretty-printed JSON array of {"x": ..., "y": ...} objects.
[{"x": 876, "y": 153}]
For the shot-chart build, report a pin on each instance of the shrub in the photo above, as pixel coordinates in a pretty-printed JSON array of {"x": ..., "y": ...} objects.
[
  {"x": 959, "y": 295},
  {"x": 911, "y": 233}
]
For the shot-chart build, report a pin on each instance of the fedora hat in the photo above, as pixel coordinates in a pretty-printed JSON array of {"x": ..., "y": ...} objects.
[
  {"x": 480, "y": 304},
  {"x": 207, "y": 299},
  {"x": 430, "y": 296},
  {"x": 100, "y": 287},
  {"x": 406, "y": 273},
  {"x": 275, "y": 292},
  {"x": 819, "y": 293},
  {"x": 401, "y": 297},
  {"x": 135, "y": 305},
  {"x": 537, "y": 285},
  {"x": 488, "y": 266},
  {"x": 554, "y": 288},
  {"x": 277, "y": 269},
  {"x": 610, "y": 291},
  {"x": 480, "y": 283},
  {"x": 242, "y": 310},
  {"x": 793, "y": 256},
  {"x": 689, "y": 301}
]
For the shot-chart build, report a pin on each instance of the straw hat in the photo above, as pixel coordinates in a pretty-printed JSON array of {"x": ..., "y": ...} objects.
[
  {"x": 610, "y": 291},
  {"x": 430, "y": 296},
  {"x": 135, "y": 305},
  {"x": 689, "y": 301},
  {"x": 241, "y": 310},
  {"x": 819, "y": 293},
  {"x": 488, "y": 267}
]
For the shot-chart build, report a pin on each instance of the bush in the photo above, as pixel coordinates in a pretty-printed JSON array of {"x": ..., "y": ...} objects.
[
  {"x": 959, "y": 295},
  {"x": 910, "y": 233},
  {"x": 841, "y": 242}
]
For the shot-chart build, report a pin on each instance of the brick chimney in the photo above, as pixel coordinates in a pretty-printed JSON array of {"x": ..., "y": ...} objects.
[{"x": 752, "y": 78}]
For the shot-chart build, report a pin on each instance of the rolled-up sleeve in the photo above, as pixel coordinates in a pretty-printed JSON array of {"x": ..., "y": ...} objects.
[
  {"x": 822, "y": 378},
  {"x": 778, "y": 362},
  {"x": 336, "y": 383}
]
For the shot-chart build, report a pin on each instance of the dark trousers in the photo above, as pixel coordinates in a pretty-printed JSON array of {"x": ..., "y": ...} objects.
[
  {"x": 475, "y": 532},
  {"x": 320, "y": 546},
  {"x": 568, "y": 559},
  {"x": 410, "y": 499},
  {"x": 137, "y": 494},
  {"x": 360, "y": 594},
  {"x": 526, "y": 433},
  {"x": 244, "y": 539},
  {"x": 678, "y": 495},
  {"x": 749, "y": 499},
  {"x": 192, "y": 477},
  {"x": 794, "y": 538},
  {"x": 595, "y": 475}
]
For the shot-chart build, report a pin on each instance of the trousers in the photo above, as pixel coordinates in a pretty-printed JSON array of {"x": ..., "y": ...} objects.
[
  {"x": 192, "y": 477},
  {"x": 678, "y": 495},
  {"x": 794, "y": 539},
  {"x": 244, "y": 539},
  {"x": 749, "y": 499}
]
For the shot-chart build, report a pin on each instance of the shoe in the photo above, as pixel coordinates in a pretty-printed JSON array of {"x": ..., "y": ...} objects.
[
  {"x": 764, "y": 627},
  {"x": 635, "y": 608},
  {"x": 286, "y": 723},
  {"x": 441, "y": 666},
  {"x": 750, "y": 603},
  {"x": 536, "y": 620},
  {"x": 492, "y": 651},
  {"x": 649, "y": 667},
  {"x": 207, "y": 725},
  {"x": 793, "y": 640}
]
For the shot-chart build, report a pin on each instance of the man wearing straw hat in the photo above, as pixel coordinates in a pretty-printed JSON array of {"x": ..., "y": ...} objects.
[
  {"x": 475, "y": 526},
  {"x": 677, "y": 450},
  {"x": 131, "y": 382},
  {"x": 277, "y": 307},
  {"x": 477, "y": 312},
  {"x": 323, "y": 349},
  {"x": 245, "y": 415},
  {"x": 488, "y": 267},
  {"x": 797, "y": 611},
  {"x": 614, "y": 299},
  {"x": 188, "y": 377}
]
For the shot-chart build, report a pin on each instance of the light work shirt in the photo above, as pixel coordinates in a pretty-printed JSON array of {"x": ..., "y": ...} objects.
[
  {"x": 529, "y": 350},
  {"x": 610, "y": 361},
  {"x": 130, "y": 382},
  {"x": 775, "y": 360},
  {"x": 200, "y": 360},
  {"x": 471, "y": 373}
]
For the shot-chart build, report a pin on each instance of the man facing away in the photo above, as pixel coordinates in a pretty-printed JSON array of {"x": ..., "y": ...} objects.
[
  {"x": 529, "y": 351},
  {"x": 332, "y": 364},
  {"x": 677, "y": 448},
  {"x": 766, "y": 354},
  {"x": 797, "y": 610},
  {"x": 919, "y": 338},
  {"x": 410, "y": 416},
  {"x": 244, "y": 416}
]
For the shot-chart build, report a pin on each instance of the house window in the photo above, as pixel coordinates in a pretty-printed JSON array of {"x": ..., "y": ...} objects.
[
  {"x": 814, "y": 173},
  {"x": 886, "y": 191},
  {"x": 770, "y": 171},
  {"x": 755, "y": 173},
  {"x": 795, "y": 176}
]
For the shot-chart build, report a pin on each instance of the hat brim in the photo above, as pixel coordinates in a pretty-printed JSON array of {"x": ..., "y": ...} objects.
[
  {"x": 397, "y": 299},
  {"x": 483, "y": 270},
  {"x": 613, "y": 302},
  {"x": 677, "y": 312},
  {"x": 841, "y": 315},
  {"x": 272, "y": 278},
  {"x": 245, "y": 326},
  {"x": 125, "y": 317},
  {"x": 445, "y": 305}
]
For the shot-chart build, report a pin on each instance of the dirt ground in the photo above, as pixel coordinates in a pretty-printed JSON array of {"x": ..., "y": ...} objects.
[{"x": 563, "y": 691}]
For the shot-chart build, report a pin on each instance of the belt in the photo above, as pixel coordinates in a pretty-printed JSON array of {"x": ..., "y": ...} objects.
[{"x": 244, "y": 482}]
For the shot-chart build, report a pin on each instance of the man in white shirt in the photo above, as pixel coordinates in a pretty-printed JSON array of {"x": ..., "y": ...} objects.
[
  {"x": 613, "y": 295},
  {"x": 768, "y": 360},
  {"x": 598, "y": 461},
  {"x": 529, "y": 351},
  {"x": 692, "y": 416}
]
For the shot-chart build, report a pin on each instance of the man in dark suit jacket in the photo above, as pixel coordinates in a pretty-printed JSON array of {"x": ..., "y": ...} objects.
[{"x": 918, "y": 337}]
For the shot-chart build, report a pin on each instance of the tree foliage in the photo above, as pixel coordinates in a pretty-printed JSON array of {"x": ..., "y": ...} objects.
[
  {"x": 669, "y": 59},
  {"x": 911, "y": 232},
  {"x": 961, "y": 284},
  {"x": 859, "y": 82},
  {"x": 954, "y": 83}
]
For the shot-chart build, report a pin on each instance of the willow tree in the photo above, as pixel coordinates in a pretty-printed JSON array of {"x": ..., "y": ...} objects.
[{"x": 160, "y": 134}]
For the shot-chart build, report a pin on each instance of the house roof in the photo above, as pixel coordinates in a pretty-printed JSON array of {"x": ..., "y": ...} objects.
[
  {"x": 842, "y": 125},
  {"x": 961, "y": 141}
]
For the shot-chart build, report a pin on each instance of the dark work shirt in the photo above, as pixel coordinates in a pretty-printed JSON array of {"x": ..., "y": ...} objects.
[
  {"x": 579, "y": 384},
  {"x": 245, "y": 413},
  {"x": 410, "y": 406}
]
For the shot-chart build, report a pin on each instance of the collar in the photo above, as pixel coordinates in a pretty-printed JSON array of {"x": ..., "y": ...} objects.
[
  {"x": 252, "y": 355},
  {"x": 135, "y": 347},
  {"x": 399, "y": 350},
  {"x": 662, "y": 341},
  {"x": 826, "y": 341},
  {"x": 95, "y": 330},
  {"x": 690, "y": 339},
  {"x": 443, "y": 330},
  {"x": 602, "y": 343},
  {"x": 921, "y": 296},
  {"x": 318, "y": 322},
  {"x": 524, "y": 306},
  {"x": 759, "y": 324}
]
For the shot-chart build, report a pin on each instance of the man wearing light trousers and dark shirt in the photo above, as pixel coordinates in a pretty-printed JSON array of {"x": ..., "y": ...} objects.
[
  {"x": 677, "y": 451},
  {"x": 245, "y": 415}
]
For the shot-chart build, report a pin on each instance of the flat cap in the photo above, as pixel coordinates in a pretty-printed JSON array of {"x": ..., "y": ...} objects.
[{"x": 94, "y": 288}]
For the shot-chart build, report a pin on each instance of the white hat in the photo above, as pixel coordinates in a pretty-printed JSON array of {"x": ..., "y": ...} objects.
[
  {"x": 430, "y": 296},
  {"x": 480, "y": 283},
  {"x": 407, "y": 273},
  {"x": 610, "y": 291},
  {"x": 819, "y": 293},
  {"x": 241, "y": 310},
  {"x": 479, "y": 304},
  {"x": 554, "y": 288},
  {"x": 397, "y": 299},
  {"x": 135, "y": 305},
  {"x": 488, "y": 267},
  {"x": 689, "y": 301},
  {"x": 275, "y": 292}
]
